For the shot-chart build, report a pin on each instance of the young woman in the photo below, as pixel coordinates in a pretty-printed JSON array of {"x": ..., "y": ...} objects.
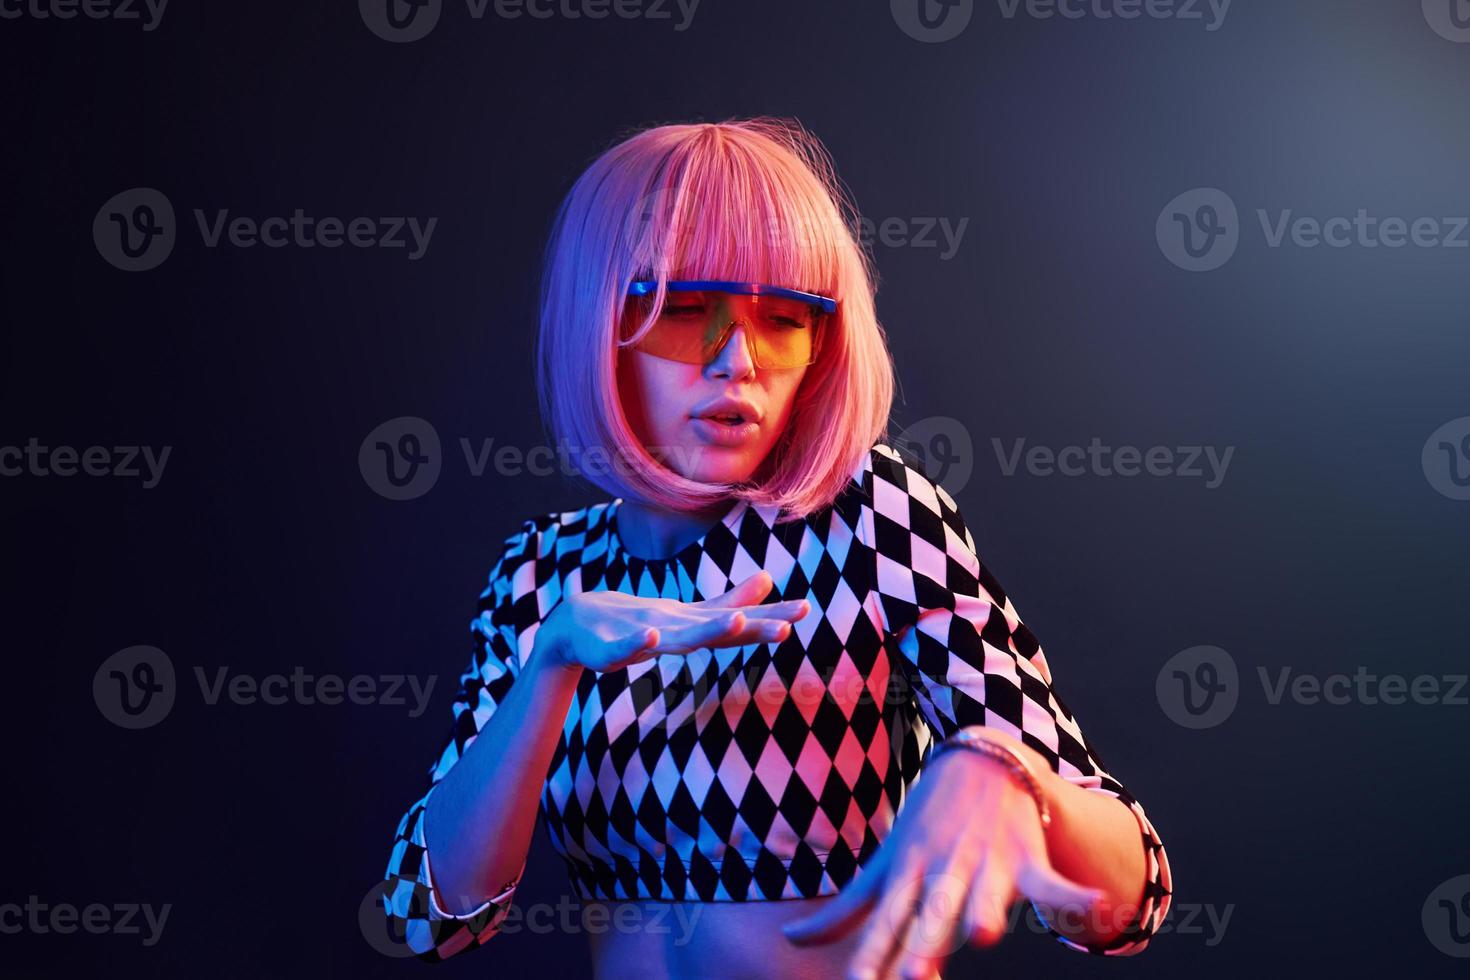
[{"x": 722, "y": 686}]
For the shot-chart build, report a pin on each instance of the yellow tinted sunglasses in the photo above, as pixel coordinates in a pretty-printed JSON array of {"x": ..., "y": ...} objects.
[{"x": 699, "y": 315}]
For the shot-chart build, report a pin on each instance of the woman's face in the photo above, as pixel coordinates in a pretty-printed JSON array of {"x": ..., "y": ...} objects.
[{"x": 684, "y": 413}]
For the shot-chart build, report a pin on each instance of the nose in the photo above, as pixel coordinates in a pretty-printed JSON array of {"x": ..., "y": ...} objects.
[{"x": 735, "y": 358}]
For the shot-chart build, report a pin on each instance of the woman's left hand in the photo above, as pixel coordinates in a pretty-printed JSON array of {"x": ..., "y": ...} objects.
[{"x": 963, "y": 848}]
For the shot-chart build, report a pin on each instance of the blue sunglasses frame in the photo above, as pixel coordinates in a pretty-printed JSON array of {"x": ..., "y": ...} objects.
[{"x": 647, "y": 287}]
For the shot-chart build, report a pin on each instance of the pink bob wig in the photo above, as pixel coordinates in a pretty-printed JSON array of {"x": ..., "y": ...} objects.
[{"x": 752, "y": 200}]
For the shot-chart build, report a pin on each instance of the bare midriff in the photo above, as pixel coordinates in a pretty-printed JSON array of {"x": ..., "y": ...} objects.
[{"x": 647, "y": 940}]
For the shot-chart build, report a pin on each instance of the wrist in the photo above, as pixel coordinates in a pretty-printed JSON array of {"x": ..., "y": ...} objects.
[
  {"x": 1039, "y": 767},
  {"x": 550, "y": 652},
  {"x": 1024, "y": 766}
]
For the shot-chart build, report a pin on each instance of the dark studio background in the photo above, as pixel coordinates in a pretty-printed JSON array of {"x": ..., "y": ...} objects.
[{"x": 1324, "y": 829}]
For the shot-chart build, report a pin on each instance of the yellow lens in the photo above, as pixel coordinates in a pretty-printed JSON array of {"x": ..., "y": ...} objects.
[
  {"x": 783, "y": 347},
  {"x": 693, "y": 328}
]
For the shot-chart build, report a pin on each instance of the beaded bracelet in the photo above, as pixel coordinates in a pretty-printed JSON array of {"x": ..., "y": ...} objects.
[{"x": 1010, "y": 758}]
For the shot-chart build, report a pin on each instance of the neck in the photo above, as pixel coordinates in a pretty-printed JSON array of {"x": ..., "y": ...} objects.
[{"x": 656, "y": 532}]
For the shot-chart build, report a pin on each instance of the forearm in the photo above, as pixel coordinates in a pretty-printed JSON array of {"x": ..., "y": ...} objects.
[
  {"x": 1093, "y": 840},
  {"x": 480, "y": 819}
]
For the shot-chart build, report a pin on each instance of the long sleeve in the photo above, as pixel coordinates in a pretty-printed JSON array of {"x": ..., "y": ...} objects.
[
  {"x": 971, "y": 661},
  {"x": 414, "y": 913}
]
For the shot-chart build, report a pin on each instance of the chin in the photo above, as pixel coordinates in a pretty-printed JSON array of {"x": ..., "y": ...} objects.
[{"x": 713, "y": 464}]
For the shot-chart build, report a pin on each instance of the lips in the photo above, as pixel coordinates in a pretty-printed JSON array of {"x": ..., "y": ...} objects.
[
  {"x": 726, "y": 434},
  {"x": 728, "y": 411}
]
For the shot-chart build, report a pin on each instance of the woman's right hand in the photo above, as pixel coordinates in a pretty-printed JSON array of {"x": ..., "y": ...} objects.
[{"x": 610, "y": 630}]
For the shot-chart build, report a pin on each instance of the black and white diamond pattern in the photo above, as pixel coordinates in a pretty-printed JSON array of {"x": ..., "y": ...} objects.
[{"x": 773, "y": 770}]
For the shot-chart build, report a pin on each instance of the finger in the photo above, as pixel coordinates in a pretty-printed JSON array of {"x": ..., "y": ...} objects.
[
  {"x": 730, "y": 629},
  {"x": 838, "y": 917},
  {"x": 708, "y": 633},
  {"x": 636, "y": 642},
  {"x": 931, "y": 974},
  {"x": 748, "y": 591},
  {"x": 631, "y": 649},
  {"x": 1053, "y": 891},
  {"x": 789, "y": 610},
  {"x": 990, "y": 899},
  {"x": 897, "y": 906},
  {"x": 762, "y": 616},
  {"x": 937, "y": 931}
]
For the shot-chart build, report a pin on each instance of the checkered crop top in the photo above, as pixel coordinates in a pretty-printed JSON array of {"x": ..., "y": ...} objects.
[{"x": 773, "y": 770}]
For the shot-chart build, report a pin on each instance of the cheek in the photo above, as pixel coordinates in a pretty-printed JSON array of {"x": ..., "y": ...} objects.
[
  {"x": 781, "y": 395},
  {"x": 654, "y": 392}
]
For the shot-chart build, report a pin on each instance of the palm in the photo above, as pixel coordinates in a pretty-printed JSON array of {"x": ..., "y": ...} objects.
[{"x": 610, "y": 630}]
